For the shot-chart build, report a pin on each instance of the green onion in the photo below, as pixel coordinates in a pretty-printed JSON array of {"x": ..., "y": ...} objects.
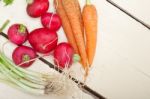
[
  {"x": 20, "y": 81},
  {"x": 25, "y": 79},
  {"x": 34, "y": 76}
]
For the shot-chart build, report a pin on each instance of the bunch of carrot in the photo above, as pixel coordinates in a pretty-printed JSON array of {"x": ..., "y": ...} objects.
[{"x": 80, "y": 28}]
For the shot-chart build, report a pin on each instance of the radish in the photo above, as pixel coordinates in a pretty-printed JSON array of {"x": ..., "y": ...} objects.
[
  {"x": 23, "y": 54},
  {"x": 64, "y": 55},
  {"x": 36, "y": 8},
  {"x": 17, "y": 34},
  {"x": 43, "y": 40},
  {"x": 51, "y": 21}
]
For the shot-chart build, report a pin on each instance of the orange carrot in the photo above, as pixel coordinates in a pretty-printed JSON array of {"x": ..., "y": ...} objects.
[
  {"x": 77, "y": 5},
  {"x": 89, "y": 15},
  {"x": 66, "y": 24},
  {"x": 71, "y": 11}
]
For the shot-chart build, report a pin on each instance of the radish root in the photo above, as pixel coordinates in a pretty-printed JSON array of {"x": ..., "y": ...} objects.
[
  {"x": 46, "y": 45},
  {"x": 49, "y": 25}
]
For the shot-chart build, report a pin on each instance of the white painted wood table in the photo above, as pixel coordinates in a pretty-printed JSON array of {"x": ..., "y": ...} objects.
[{"x": 121, "y": 67}]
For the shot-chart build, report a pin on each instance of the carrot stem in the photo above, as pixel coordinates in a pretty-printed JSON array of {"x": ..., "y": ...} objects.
[
  {"x": 29, "y": 1},
  {"x": 4, "y": 25},
  {"x": 88, "y": 2}
]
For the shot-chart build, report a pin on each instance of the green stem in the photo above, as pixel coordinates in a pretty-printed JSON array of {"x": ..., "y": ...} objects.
[
  {"x": 29, "y": 72},
  {"x": 22, "y": 29},
  {"x": 88, "y": 2},
  {"x": 4, "y": 25},
  {"x": 21, "y": 79},
  {"x": 8, "y": 82}
]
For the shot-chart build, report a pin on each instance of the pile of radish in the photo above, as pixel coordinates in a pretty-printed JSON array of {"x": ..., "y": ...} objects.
[
  {"x": 80, "y": 28},
  {"x": 79, "y": 25},
  {"x": 43, "y": 40}
]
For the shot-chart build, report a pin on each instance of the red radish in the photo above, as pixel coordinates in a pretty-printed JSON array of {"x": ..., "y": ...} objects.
[
  {"x": 43, "y": 40},
  {"x": 51, "y": 21},
  {"x": 63, "y": 55},
  {"x": 17, "y": 34},
  {"x": 23, "y": 54},
  {"x": 36, "y": 8}
]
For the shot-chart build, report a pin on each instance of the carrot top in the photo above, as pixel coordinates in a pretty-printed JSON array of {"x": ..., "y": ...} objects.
[{"x": 88, "y": 2}]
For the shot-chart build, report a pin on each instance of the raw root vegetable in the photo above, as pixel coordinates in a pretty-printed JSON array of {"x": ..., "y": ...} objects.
[
  {"x": 23, "y": 54},
  {"x": 64, "y": 55},
  {"x": 66, "y": 24},
  {"x": 51, "y": 21},
  {"x": 34, "y": 82},
  {"x": 90, "y": 22},
  {"x": 77, "y": 5},
  {"x": 17, "y": 34},
  {"x": 36, "y": 8},
  {"x": 71, "y": 11},
  {"x": 43, "y": 40}
]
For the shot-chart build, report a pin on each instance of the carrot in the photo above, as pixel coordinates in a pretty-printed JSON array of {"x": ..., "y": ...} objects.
[
  {"x": 71, "y": 11},
  {"x": 89, "y": 15},
  {"x": 66, "y": 24},
  {"x": 77, "y": 5}
]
